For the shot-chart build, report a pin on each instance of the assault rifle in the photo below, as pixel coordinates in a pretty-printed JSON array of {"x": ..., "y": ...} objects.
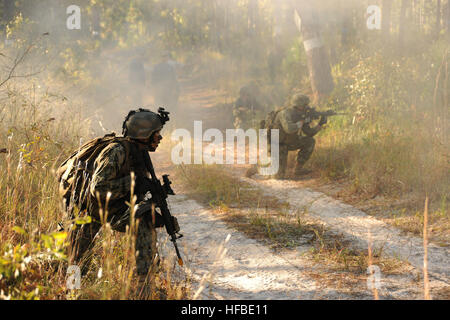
[
  {"x": 313, "y": 114},
  {"x": 160, "y": 193}
]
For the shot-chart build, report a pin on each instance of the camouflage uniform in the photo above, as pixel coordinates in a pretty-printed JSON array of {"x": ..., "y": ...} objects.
[
  {"x": 137, "y": 81},
  {"x": 245, "y": 109},
  {"x": 166, "y": 89},
  {"x": 109, "y": 177},
  {"x": 292, "y": 137}
]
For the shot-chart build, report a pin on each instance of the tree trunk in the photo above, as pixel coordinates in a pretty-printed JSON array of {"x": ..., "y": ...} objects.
[
  {"x": 95, "y": 24},
  {"x": 252, "y": 17},
  {"x": 8, "y": 10},
  {"x": 403, "y": 22},
  {"x": 318, "y": 63},
  {"x": 415, "y": 14},
  {"x": 447, "y": 18},
  {"x": 438, "y": 18},
  {"x": 386, "y": 17},
  {"x": 346, "y": 23},
  {"x": 422, "y": 18}
]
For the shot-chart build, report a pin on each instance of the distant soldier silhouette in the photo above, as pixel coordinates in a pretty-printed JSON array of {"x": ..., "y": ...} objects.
[
  {"x": 247, "y": 107},
  {"x": 165, "y": 87},
  {"x": 137, "y": 79}
]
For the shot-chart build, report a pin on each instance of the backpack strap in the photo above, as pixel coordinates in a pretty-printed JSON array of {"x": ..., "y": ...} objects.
[{"x": 132, "y": 155}]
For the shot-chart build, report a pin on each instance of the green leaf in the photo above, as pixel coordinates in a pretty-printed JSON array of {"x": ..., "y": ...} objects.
[
  {"x": 83, "y": 220},
  {"x": 19, "y": 230}
]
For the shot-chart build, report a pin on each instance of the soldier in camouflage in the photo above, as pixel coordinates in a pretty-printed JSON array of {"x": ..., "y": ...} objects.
[
  {"x": 296, "y": 134},
  {"x": 246, "y": 108},
  {"x": 166, "y": 88},
  {"x": 112, "y": 179}
]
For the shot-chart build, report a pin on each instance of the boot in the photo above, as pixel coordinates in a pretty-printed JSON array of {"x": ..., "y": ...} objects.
[{"x": 300, "y": 171}]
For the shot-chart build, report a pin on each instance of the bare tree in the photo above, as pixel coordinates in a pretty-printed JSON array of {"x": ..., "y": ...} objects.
[{"x": 19, "y": 59}]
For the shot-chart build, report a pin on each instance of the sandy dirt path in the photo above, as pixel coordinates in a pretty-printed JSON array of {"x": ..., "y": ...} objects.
[
  {"x": 358, "y": 227},
  {"x": 248, "y": 269}
]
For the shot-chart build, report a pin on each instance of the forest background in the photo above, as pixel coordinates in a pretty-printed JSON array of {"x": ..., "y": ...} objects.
[{"x": 60, "y": 86}]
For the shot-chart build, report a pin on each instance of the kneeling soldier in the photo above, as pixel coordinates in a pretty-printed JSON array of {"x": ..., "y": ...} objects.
[{"x": 108, "y": 164}]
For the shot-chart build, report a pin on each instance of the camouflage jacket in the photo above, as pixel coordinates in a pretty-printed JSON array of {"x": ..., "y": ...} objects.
[
  {"x": 110, "y": 176},
  {"x": 286, "y": 121}
]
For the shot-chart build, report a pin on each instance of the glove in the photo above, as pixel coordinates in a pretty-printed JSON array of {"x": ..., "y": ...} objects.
[
  {"x": 323, "y": 120},
  {"x": 159, "y": 221},
  {"x": 146, "y": 210}
]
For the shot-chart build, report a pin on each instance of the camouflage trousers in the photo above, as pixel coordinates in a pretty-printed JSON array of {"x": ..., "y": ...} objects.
[
  {"x": 82, "y": 240},
  {"x": 305, "y": 147}
]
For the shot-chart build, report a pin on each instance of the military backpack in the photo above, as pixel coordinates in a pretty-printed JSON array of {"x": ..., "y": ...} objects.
[
  {"x": 75, "y": 173},
  {"x": 269, "y": 121}
]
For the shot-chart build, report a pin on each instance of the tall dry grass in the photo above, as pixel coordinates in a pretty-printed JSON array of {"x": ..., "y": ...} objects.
[
  {"x": 37, "y": 131},
  {"x": 426, "y": 281}
]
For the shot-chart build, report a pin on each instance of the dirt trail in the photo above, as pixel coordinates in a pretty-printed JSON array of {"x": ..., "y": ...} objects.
[
  {"x": 250, "y": 270},
  {"x": 357, "y": 226}
]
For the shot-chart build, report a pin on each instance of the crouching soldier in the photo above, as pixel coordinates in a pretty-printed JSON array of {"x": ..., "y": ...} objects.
[
  {"x": 107, "y": 165},
  {"x": 296, "y": 134}
]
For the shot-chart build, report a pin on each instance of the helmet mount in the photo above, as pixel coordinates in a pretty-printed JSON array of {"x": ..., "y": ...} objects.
[{"x": 163, "y": 115}]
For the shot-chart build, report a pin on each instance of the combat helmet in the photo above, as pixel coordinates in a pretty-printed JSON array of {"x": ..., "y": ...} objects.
[
  {"x": 142, "y": 123},
  {"x": 299, "y": 100}
]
